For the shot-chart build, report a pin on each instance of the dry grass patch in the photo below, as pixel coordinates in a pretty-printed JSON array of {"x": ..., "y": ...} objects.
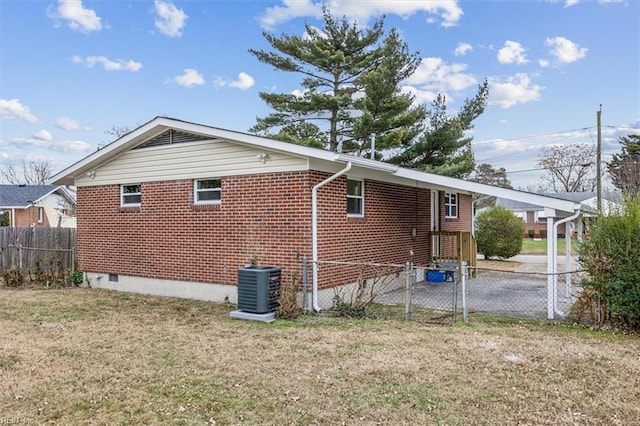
[
  {"x": 499, "y": 265},
  {"x": 90, "y": 356}
]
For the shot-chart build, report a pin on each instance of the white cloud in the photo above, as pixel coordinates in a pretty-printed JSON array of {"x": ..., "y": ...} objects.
[
  {"x": 170, "y": 20},
  {"x": 12, "y": 108},
  {"x": 512, "y": 53},
  {"x": 58, "y": 146},
  {"x": 243, "y": 82},
  {"x": 77, "y": 16},
  {"x": 544, "y": 63},
  {"x": 565, "y": 50},
  {"x": 191, "y": 77},
  {"x": 434, "y": 74},
  {"x": 108, "y": 64},
  {"x": 66, "y": 123},
  {"x": 290, "y": 9},
  {"x": 448, "y": 11},
  {"x": 43, "y": 135},
  {"x": 514, "y": 90},
  {"x": 420, "y": 96},
  {"x": 462, "y": 49}
]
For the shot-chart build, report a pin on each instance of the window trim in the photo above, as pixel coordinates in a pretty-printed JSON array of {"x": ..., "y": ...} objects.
[
  {"x": 360, "y": 197},
  {"x": 448, "y": 205},
  {"x": 122, "y": 195},
  {"x": 206, "y": 202},
  {"x": 40, "y": 214}
]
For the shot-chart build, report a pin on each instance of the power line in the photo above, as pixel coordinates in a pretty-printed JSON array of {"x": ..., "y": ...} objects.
[{"x": 531, "y": 136}]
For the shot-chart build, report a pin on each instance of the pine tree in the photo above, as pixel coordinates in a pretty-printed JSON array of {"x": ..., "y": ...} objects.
[
  {"x": 443, "y": 148},
  {"x": 350, "y": 87},
  {"x": 624, "y": 168}
]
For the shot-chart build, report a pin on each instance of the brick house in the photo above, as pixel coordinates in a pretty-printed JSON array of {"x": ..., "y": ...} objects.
[
  {"x": 38, "y": 205},
  {"x": 534, "y": 216},
  {"x": 175, "y": 208}
]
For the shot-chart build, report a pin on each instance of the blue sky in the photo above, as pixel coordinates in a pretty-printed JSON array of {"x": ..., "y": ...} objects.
[{"x": 71, "y": 70}]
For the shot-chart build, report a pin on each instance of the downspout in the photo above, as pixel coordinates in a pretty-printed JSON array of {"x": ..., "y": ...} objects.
[
  {"x": 567, "y": 254},
  {"x": 314, "y": 233}
]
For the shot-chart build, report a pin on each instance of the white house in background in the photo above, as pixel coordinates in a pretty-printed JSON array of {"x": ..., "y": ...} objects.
[
  {"x": 39, "y": 205},
  {"x": 535, "y": 217}
]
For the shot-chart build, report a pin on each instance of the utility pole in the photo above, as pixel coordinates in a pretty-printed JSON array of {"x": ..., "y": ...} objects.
[{"x": 598, "y": 162}]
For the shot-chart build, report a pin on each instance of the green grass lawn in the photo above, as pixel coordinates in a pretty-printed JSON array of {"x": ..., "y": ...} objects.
[
  {"x": 539, "y": 246},
  {"x": 86, "y": 356}
]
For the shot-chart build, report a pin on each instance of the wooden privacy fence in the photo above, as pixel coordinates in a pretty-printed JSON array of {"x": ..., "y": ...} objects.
[{"x": 45, "y": 248}]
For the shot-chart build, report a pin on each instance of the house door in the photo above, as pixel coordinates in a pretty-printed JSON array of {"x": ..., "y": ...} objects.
[{"x": 435, "y": 222}]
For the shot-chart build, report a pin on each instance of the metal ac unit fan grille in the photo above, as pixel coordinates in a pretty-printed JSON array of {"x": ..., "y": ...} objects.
[{"x": 258, "y": 289}]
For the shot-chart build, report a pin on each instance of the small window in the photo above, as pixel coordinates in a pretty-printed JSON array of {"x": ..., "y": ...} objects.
[
  {"x": 131, "y": 195},
  {"x": 40, "y": 214},
  {"x": 450, "y": 205},
  {"x": 207, "y": 191},
  {"x": 113, "y": 278},
  {"x": 355, "y": 198}
]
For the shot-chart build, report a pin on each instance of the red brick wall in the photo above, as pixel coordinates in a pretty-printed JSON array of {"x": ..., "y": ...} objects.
[
  {"x": 465, "y": 212},
  {"x": 383, "y": 235},
  {"x": 537, "y": 227},
  {"x": 266, "y": 216},
  {"x": 263, "y": 216},
  {"x": 24, "y": 218}
]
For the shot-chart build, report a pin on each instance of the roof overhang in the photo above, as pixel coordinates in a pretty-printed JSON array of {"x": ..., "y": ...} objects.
[{"x": 386, "y": 171}]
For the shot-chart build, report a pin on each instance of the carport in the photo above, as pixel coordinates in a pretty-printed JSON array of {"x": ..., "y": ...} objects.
[{"x": 557, "y": 211}]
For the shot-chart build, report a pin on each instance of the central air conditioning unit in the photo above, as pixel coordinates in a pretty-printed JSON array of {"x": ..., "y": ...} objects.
[{"x": 258, "y": 289}]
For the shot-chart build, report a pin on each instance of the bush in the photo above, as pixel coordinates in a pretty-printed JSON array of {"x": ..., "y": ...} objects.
[
  {"x": 531, "y": 233},
  {"x": 543, "y": 234},
  {"x": 13, "y": 277},
  {"x": 611, "y": 258},
  {"x": 499, "y": 233},
  {"x": 288, "y": 307}
]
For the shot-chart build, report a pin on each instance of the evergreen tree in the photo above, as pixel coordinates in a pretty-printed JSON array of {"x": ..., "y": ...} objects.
[
  {"x": 350, "y": 86},
  {"x": 624, "y": 168},
  {"x": 487, "y": 174},
  {"x": 443, "y": 148}
]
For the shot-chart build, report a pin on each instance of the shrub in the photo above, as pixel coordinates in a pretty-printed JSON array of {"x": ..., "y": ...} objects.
[
  {"x": 531, "y": 233},
  {"x": 611, "y": 258},
  {"x": 543, "y": 233},
  {"x": 13, "y": 277},
  {"x": 288, "y": 302},
  {"x": 499, "y": 233}
]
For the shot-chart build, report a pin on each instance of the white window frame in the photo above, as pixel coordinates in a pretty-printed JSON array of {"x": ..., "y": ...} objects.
[
  {"x": 356, "y": 197},
  {"x": 197, "y": 191},
  {"x": 40, "y": 214},
  {"x": 449, "y": 205},
  {"x": 123, "y": 202}
]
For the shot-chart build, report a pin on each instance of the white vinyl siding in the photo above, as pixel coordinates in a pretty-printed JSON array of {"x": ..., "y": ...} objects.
[{"x": 192, "y": 160}]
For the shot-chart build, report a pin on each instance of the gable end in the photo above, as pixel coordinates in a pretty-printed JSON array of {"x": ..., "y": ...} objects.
[{"x": 171, "y": 137}]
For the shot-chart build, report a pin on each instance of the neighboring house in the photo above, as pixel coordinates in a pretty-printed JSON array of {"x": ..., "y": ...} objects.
[
  {"x": 175, "y": 208},
  {"x": 535, "y": 218},
  {"x": 38, "y": 205}
]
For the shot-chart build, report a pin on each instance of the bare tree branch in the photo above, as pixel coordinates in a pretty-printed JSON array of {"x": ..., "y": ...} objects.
[
  {"x": 569, "y": 168},
  {"x": 33, "y": 173}
]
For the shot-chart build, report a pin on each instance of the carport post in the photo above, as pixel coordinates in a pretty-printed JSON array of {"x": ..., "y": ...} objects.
[
  {"x": 465, "y": 313},
  {"x": 551, "y": 259}
]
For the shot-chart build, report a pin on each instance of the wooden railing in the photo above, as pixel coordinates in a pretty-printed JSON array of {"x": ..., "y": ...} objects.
[{"x": 454, "y": 247}]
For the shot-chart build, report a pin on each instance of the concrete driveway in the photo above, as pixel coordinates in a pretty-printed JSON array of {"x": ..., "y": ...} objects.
[{"x": 521, "y": 294}]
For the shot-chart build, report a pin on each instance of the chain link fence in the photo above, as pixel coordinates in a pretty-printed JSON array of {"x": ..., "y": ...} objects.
[{"x": 438, "y": 292}]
